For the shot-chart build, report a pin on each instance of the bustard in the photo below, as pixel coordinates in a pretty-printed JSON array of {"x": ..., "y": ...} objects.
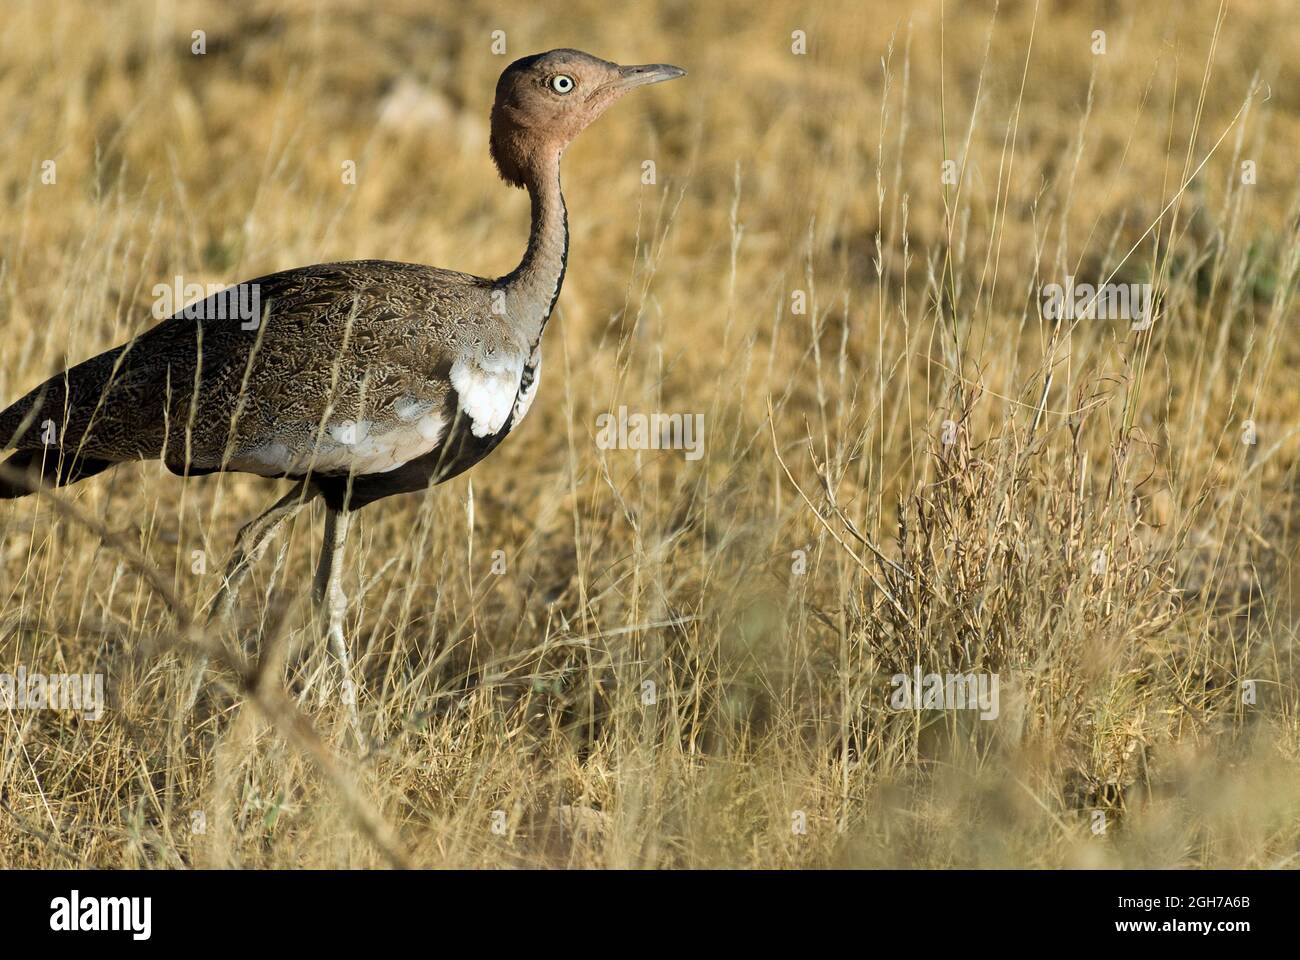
[{"x": 359, "y": 380}]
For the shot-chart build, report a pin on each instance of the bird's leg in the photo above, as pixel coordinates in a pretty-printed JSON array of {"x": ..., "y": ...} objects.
[
  {"x": 333, "y": 604},
  {"x": 250, "y": 545}
]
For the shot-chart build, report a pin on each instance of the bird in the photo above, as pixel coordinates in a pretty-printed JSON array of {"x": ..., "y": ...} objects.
[{"x": 356, "y": 380}]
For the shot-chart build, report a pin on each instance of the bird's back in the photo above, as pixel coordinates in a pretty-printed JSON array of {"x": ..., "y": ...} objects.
[{"x": 342, "y": 368}]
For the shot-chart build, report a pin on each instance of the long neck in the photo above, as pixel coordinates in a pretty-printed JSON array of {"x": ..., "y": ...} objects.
[{"x": 532, "y": 288}]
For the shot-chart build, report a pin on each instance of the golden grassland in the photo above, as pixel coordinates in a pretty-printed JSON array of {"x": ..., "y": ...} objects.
[{"x": 1097, "y": 532}]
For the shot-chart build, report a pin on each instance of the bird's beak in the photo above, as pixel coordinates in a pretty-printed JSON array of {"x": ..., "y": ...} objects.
[{"x": 639, "y": 76}]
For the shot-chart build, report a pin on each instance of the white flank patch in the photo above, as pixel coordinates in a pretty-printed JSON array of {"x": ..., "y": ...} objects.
[
  {"x": 486, "y": 390},
  {"x": 349, "y": 432},
  {"x": 351, "y": 447}
]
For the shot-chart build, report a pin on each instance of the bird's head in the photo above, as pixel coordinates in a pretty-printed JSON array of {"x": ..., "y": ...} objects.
[{"x": 546, "y": 100}]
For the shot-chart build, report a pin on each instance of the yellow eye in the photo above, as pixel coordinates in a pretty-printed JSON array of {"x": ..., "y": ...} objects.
[{"x": 561, "y": 83}]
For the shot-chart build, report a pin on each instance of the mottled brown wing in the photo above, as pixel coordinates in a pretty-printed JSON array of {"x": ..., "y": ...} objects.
[{"x": 339, "y": 368}]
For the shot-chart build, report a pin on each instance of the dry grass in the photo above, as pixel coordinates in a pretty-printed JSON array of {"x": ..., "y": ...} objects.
[{"x": 1121, "y": 681}]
